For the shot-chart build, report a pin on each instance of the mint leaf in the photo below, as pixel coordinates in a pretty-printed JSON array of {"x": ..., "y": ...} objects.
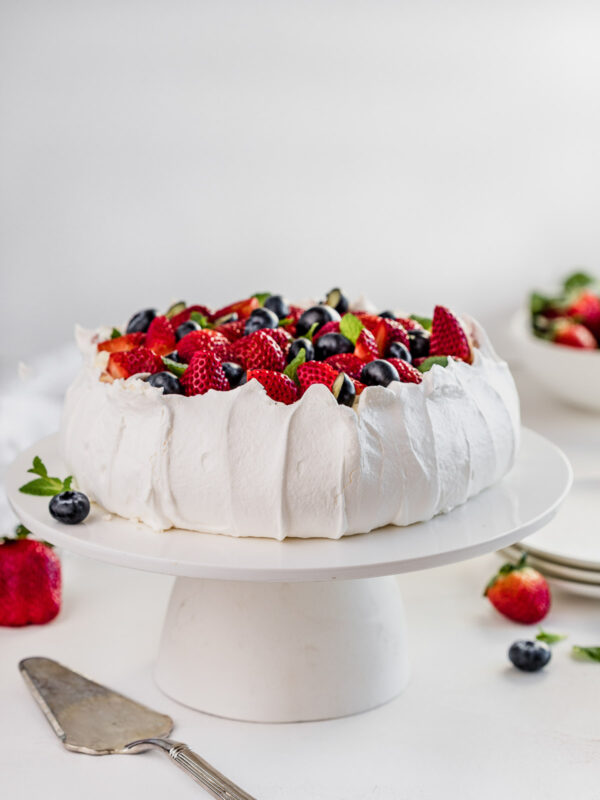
[
  {"x": 262, "y": 296},
  {"x": 586, "y": 653},
  {"x": 350, "y": 327},
  {"x": 538, "y": 303},
  {"x": 115, "y": 333},
  {"x": 44, "y": 486},
  {"x": 67, "y": 484},
  {"x": 196, "y": 316},
  {"x": 174, "y": 366},
  {"x": 283, "y": 323},
  {"x": 431, "y": 361},
  {"x": 426, "y": 322},
  {"x": 176, "y": 308},
  {"x": 292, "y": 367},
  {"x": 311, "y": 331},
  {"x": 577, "y": 281},
  {"x": 550, "y": 638},
  {"x": 38, "y": 467}
]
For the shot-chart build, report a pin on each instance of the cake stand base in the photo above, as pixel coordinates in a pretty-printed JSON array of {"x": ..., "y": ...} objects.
[{"x": 283, "y": 652}]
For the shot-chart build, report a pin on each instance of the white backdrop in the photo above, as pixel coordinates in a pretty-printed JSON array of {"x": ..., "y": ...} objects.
[{"x": 421, "y": 151}]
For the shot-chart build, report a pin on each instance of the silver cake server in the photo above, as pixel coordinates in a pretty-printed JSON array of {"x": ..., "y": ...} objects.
[{"x": 89, "y": 718}]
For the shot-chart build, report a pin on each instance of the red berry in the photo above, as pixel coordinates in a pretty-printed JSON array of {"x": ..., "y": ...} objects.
[
  {"x": 204, "y": 372},
  {"x": 280, "y": 336},
  {"x": 346, "y": 362},
  {"x": 410, "y": 324},
  {"x": 205, "y": 339},
  {"x": 448, "y": 337},
  {"x": 126, "y": 363},
  {"x": 370, "y": 321},
  {"x": 332, "y": 326},
  {"x": 258, "y": 351},
  {"x": 407, "y": 373},
  {"x": 388, "y": 330},
  {"x": 572, "y": 334},
  {"x": 243, "y": 308},
  {"x": 117, "y": 345},
  {"x": 586, "y": 310},
  {"x": 278, "y": 386},
  {"x": 30, "y": 582},
  {"x": 520, "y": 593},
  {"x": 160, "y": 337},
  {"x": 232, "y": 331},
  {"x": 315, "y": 372},
  {"x": 366, "y": 347}
]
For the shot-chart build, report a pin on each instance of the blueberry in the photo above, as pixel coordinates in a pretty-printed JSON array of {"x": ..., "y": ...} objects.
[
  {"x": 337, "y": 300},
  {"x": 419, "y": 343},
  {"x": 398, "y": 350},
  {"x": 261, "y": 318},
  {"x": 387, "y": 315},
  {"x": 235, "y": 374},
  {"x": 330, "y": 344},
  {"x": 379, "y": 373},
  {"x": 344, "y": 390},
  {"x": 174, "y": 356},
  {"x": 185, "y": 328},
  {"x": 529, "y": 655},
  {"x": 69, "y": 507},
  {"x": 277, "y": 305},
  {"x": 318, "y": 315},
  {"x": 301, "y": 344},
  {"x": 166, "y": 381},
  {"x": 140, "y": 322}
]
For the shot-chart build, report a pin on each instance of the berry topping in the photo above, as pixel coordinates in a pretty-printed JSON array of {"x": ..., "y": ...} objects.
[
  {"x": 406, "y": 372},
  {"x": 388, "y": 331},
  {"x": 233, "y": 330},
  {"x": 203, "y": 340},
  {"x": 131, "y": 362},
  {"x": 528, "y": 655},
  {"x": 519, "y": 592},
  {"x": 337, "y": 300},
  {"x": 204, "y": 372},
  {"x": 398, "y": 350},
  {"x": 366, "y": 347},
  {"x": 160, "y": 337},
  {"x": 419, "y": 343},
  {"x": 571, "y": 334},
  {"x": 258, "y": 351},
  {"x": 69, "y": 507},
  {"x": 344, "y": 390},
  {"x": 348, "y": 363},
  {"x": 140, "y": 322},
  {"x": 316, "y": 315},
  {"x": 243, "y": 308},
  {"x": 277, "y": 385},
  {"x": 121, "y": 343},
  {"x": 281, "y": 336},
  {"x": 448, "y": 337},
  {"x": 235, "y": 374},
  {"x": 184, "y": 315},
  {"x": 277, "y": 305},
  {"x": 165, "y": 381},
  {"x": 315, "y": 372},
  {"x": 379, "y": 373},
  {"x": 331, "y": 344},
  {"x": 185, "y": 328},
  {"x": 261, "y": 318},
  {"x": 301, "y": 344},
  {"x": 329, "y": 327}
]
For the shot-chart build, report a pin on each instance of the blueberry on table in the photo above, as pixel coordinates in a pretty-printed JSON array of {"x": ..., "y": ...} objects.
[
  {"x": 528, "y": 655},
  {"x": 140, "y": 322},
  {"x": 330, "y": 344},
  {"x": 166, "y": 381},
  {"x": 301, "y": 344},
  {"x": 398, "y": 350},
  {"x": 235, "y": 374},
  {"x": 337, "y": 300},
  {"x": 379, "y": 373},
  {"x": 316, "y": 315},
  {"x": 69, "y": 507},
  {"x": 185, "y": 328},
  {"x": 260, "y": 319},
  {"x": 419, "y": 343},
  {"x": 277, "y": 305}
]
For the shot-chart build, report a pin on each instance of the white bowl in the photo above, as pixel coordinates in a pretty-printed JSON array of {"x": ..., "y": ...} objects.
[{"x": 570, "y": 374}]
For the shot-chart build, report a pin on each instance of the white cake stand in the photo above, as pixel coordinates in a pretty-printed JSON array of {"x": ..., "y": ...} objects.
[{"x": 306, "y": 629}]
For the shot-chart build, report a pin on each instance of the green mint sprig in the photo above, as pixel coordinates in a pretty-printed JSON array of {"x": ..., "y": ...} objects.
[
  {"x": 350, "y": 327},
  {"x": 311, "y": 331},
  {"x": 262, "y": 296},
  {"x": 426, "y": 322},
  {"x": 431, "y": 361},
  {"x": 550, "y": 638},
  {"x": 44, "y": 485},
  {"x": 174, "y": 366},
  {"x": 292, "y": 368},
  {"x": 586, "y": 653},
  {"x": 196, "y": 316}
]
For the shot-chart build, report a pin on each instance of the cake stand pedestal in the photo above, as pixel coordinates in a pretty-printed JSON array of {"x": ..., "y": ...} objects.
[{"x": 303, "y": 629}]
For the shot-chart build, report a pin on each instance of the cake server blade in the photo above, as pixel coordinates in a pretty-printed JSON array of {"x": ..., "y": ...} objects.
[{"x": 89, "y": 718}]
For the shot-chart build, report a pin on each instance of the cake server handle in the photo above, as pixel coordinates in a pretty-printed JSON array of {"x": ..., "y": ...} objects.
[{"x": 197, "y": 768}]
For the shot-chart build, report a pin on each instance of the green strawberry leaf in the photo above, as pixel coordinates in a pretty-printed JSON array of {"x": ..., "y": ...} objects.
[
  {"x": 38, "y": 467},
  {"x": 196, "y": 316},
  {"x": 21, "y": 532},
  {"x": 311, "y": 331},
  {"x": 426, "y": 322},
  {"x": 431, "y": 361},
  {"x": 586, "y": 653},
  {"x": 44, "y": 486},
  {"x": 115, "y": 333},
  {"x": 577, "y": 280},
  {"x": 350, "y": 327},
  {"x": 176, "y": 308},
  {"x": 550, "y": 638},
  {"x": 174, "y": 366},
  {"x": 292, "y": 367},
  {"x": 262, "y": 296}
]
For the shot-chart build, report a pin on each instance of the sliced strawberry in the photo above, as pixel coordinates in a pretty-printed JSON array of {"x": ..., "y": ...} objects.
[
  {"x": 366, "y": 346},
  {"x": 259, "y": 351},
  {"x": 126, "y": 363},
  {"x": 330, "y": 327},
  {"x": 316, "y": 372},
  {"x": 370, "y": 321},
  {"x": 121, "y": 343},
  {"x": 184, "y": 315},
  {"x": 294, "y": 315},
  {"x": 160, "y": 337},
  {"x": 278, "y": 386},
  {"x": 204, "y": 372},
  {"x": 243, "y": 308},
  {"x": 388, "y": 330},
  {"x": 448, "y": 337},
  {"x": 572, "y": 334},
  {"x": 232, "y": 330},
  {"x": 203, "y": 340},
  {"x": 407, "y": 373},
  {"x": 410, "y": 324},
  {"x": 360, "y": 387},
  {"x": 586, "y": 310},
  {"x": 281, "y": 336},
  {"x": 346, "y": 362}
]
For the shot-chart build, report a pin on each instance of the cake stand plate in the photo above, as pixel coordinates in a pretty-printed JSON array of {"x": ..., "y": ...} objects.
[{"x": 303, "y": 629}]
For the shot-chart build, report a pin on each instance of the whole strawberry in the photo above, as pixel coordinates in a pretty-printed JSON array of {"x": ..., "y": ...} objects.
[
  {"x": 30, "y": 581},
  {"x": 204, "y": 372},
  {"x": 448, "y": 337},
  {"x": 519, "y": 592},
  {"x": 277, "y": 385},
  {"x": 572, "y": 334}
]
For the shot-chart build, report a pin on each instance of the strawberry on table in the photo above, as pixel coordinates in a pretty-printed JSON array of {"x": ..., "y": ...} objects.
[
  {"x": 519, "y": 592},
  {"x": 120, "y": 343},
  {"x": 448, "y": 337},
  {"x": 277, "y": 385},
  {"x": 160, "y": 337},
  {"x": 30, "y": 581},
  {"x": 126, "y": 363},
  {"x": 204, "y": 372}
]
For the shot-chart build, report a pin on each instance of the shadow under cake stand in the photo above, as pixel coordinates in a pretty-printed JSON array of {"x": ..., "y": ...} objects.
[{"x": 303, "y": 629}]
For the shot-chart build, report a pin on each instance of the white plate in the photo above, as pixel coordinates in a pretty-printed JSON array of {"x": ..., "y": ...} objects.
[
  {"x": 523, "y": 502},
  {"x": 551, "y": 568}
]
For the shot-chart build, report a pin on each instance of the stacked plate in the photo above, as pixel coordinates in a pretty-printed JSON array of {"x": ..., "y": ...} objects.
[{"x": 567, "y": 551}]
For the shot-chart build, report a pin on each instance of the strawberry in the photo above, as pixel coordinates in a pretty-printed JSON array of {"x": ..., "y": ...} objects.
[
  {"x": 294, "y": 315},
  {"x": 370, "y": 321},
  {"x": 184, "y": 315},
  {"x": 160, "y": 337},
  {"x": 278, "y": 386},
  {"x": 260, "y": 351},
  {"x": 410, "y": 324},
  {"x": 388, "y": 330},
  {"x": 572, "y": 334},
  {"x": 204, "y": 372},
  {"x": 330, "y": 327},
  {"x": 315, "y": 372},
  {"x": 366, "y": 346},
  {"x": 30, "y": 581},
  {"x": 120, "y": 343},
  {"x": 281, "y": 336},
  {"x": 448, "y": 337},
  {"x": 243, "y": 308},
  {"x": 232, "y": 330},
  {"x": 203, "y": 340},
  {"x": 586, "y": 310},
  {"x": 346, "y": 362},
  {"x": 130, "y": 362},
  {"x": 360, "y": 387},
  {"x": 519, "y": 592},
  {"x": 407, "y": 373}
]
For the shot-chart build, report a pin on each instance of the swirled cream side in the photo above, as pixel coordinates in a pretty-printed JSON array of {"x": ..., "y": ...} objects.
[{"x": 240, "y": 464}]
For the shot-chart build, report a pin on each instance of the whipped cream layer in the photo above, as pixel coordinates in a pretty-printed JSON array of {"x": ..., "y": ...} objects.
[{"x": 241, "y": 464}]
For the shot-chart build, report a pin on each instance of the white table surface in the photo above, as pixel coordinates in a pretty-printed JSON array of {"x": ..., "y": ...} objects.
[{"x": 468, "y": 726}]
